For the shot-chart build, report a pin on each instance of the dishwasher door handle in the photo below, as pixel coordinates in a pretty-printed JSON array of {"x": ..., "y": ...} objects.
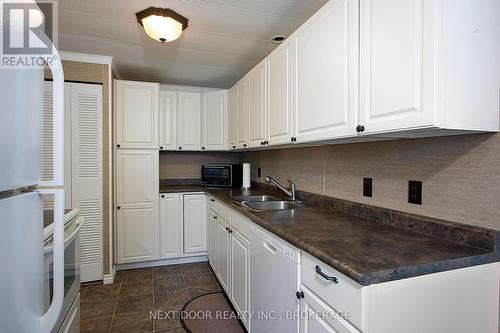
[{"x": 269, "y": 247}]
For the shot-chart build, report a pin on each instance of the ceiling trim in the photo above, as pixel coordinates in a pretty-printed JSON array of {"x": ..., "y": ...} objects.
[
  {"x": 177, "y": 87},
  {"x": 84, "y": 57}
]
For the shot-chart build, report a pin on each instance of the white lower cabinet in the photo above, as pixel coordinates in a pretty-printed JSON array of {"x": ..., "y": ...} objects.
[
  {"x": 240, "y": 272},
  {"x": 318, "y": 317},
  {"x": 212, "y": 241},
  {"x": 183, "y": 225},
  {"x": 229, "y": 255},
  {"x": 170, "y": 226},
  {"x": 137, "y": 234},
  {"x": 178, "y": 231},
  {"x": 195, "y": 223},
  {"x": 137, "y": 223},
  {"x": 223, "y": 254},
  {"x": 447, "y": 299}
]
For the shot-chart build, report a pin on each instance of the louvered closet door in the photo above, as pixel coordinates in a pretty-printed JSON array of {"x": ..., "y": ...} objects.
[
  {"x": 87, "y": 174},
  {"x": 47, "y": 149}
]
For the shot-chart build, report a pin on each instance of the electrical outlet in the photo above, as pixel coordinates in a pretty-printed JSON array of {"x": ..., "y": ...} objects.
[
  {"x": 415, "y": 192},
  {"x": 368, "y": 187},
  {"x": 259, "y": 172}
]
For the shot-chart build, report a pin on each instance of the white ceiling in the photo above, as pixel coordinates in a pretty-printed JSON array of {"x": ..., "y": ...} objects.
[{"x": 224, "y": 39}]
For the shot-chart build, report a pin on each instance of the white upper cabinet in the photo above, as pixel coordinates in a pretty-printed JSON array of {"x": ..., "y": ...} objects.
[
  {"x": 136, "y": 114},
  {"x": 428, "y": 64},
  {"x": 279, "y": 97},
  {"x": 214, "y": 118},
  {"x": 233, "y": 117},
  {"x": 257, "y": 105},
  {"x": 396, "y": 57},
  {"x": 242, "y": 110},
  {"x": 168, "y": 120},
  {"x": 325, "y": 59},
  {"x": 189, "y": 121}
]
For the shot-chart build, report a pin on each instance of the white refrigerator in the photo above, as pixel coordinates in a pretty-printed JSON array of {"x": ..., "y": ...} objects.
[{"x": 21, "y": 207}]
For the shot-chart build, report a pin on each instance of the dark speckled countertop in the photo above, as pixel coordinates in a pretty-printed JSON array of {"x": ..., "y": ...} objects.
[{"x": 366, "y": 250}]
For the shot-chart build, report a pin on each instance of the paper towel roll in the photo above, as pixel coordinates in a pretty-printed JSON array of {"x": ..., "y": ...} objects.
[{"x": 246, "y": 175}]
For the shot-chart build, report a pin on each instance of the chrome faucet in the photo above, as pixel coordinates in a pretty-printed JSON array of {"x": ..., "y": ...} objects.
[{"x": 290, "y": 192}]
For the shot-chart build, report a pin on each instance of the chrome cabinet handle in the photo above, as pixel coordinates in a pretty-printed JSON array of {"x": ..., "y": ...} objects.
[{"x": 326, "y": 277}]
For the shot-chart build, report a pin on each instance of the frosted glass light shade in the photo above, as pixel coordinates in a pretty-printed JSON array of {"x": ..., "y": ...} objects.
[
  {"x": 164, "y": 29},
  {"x": 162, "y": 24}
]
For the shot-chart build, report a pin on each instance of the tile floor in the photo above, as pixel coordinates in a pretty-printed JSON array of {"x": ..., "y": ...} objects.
[{"x": 125, "y": 305}]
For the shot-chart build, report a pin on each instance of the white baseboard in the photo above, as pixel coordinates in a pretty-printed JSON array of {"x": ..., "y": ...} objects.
[
  {"x": 109, "y": 278},
  {"x": 162, "y": 262}
]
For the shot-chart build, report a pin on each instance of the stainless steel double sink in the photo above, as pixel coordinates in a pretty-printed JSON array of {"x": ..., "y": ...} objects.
[{"x": 266, "y": 202}]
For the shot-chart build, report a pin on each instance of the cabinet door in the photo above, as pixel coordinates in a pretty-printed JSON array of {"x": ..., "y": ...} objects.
[
  {"x": 325, "y": 56},
  {"x": 214, "y": 121},
  {"x": 240, "y": 265},
  {"x": 168, "y": 120},
  {"x": 137, "y": 205},
  {"x": 137, "y": 182},
  {"x": 223, "y": 255},
  {"x": 257, "y": 105},
  {"x": 189, "y": 121},
  {"x": 137, "y": 236},
  {"x": 212, "y": 240},
  {"x": 170, "y": 226},
  {"x": 136, "y": 114},
  {"x": 195, "y": 223},
  {"x": 318, "y": 317},
  {"x": 279, "y": 97},
  {"x": 396, "y": 50},
  {"x": 232, "y": 112},
  {"x": 86, "y": 156},
  {"x": 242, "y": 106}
]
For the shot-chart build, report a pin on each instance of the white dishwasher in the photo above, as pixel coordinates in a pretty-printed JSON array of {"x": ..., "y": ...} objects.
[{"x": 274, "y": 282}]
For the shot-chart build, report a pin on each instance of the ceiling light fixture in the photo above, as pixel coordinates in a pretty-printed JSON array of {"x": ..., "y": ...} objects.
[{"x": 162, "y": 24}]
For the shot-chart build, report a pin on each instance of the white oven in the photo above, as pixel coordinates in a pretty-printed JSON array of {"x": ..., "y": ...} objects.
[{"x": 72, "y": 224}]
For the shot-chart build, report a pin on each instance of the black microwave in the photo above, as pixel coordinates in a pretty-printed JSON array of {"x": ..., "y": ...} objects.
[{"x": 221, "y": 175}]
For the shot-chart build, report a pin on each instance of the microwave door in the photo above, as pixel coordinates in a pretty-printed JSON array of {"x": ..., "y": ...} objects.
[{"x": 216, "y": 175}]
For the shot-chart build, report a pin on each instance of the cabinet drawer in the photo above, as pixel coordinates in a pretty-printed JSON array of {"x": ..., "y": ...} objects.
[
  {"x": 241, "y": 223},
  {"x": 344, "y": 296},
  {"x": 221, "y": 209}
]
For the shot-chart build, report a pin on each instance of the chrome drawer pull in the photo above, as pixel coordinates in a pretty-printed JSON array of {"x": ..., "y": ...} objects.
[{"x": 326, "y": 277}]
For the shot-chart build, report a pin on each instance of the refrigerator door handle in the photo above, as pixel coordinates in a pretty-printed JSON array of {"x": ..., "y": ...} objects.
[
  {"x": 58, "y": 122},
  {"x": 49, "y": 319}
]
